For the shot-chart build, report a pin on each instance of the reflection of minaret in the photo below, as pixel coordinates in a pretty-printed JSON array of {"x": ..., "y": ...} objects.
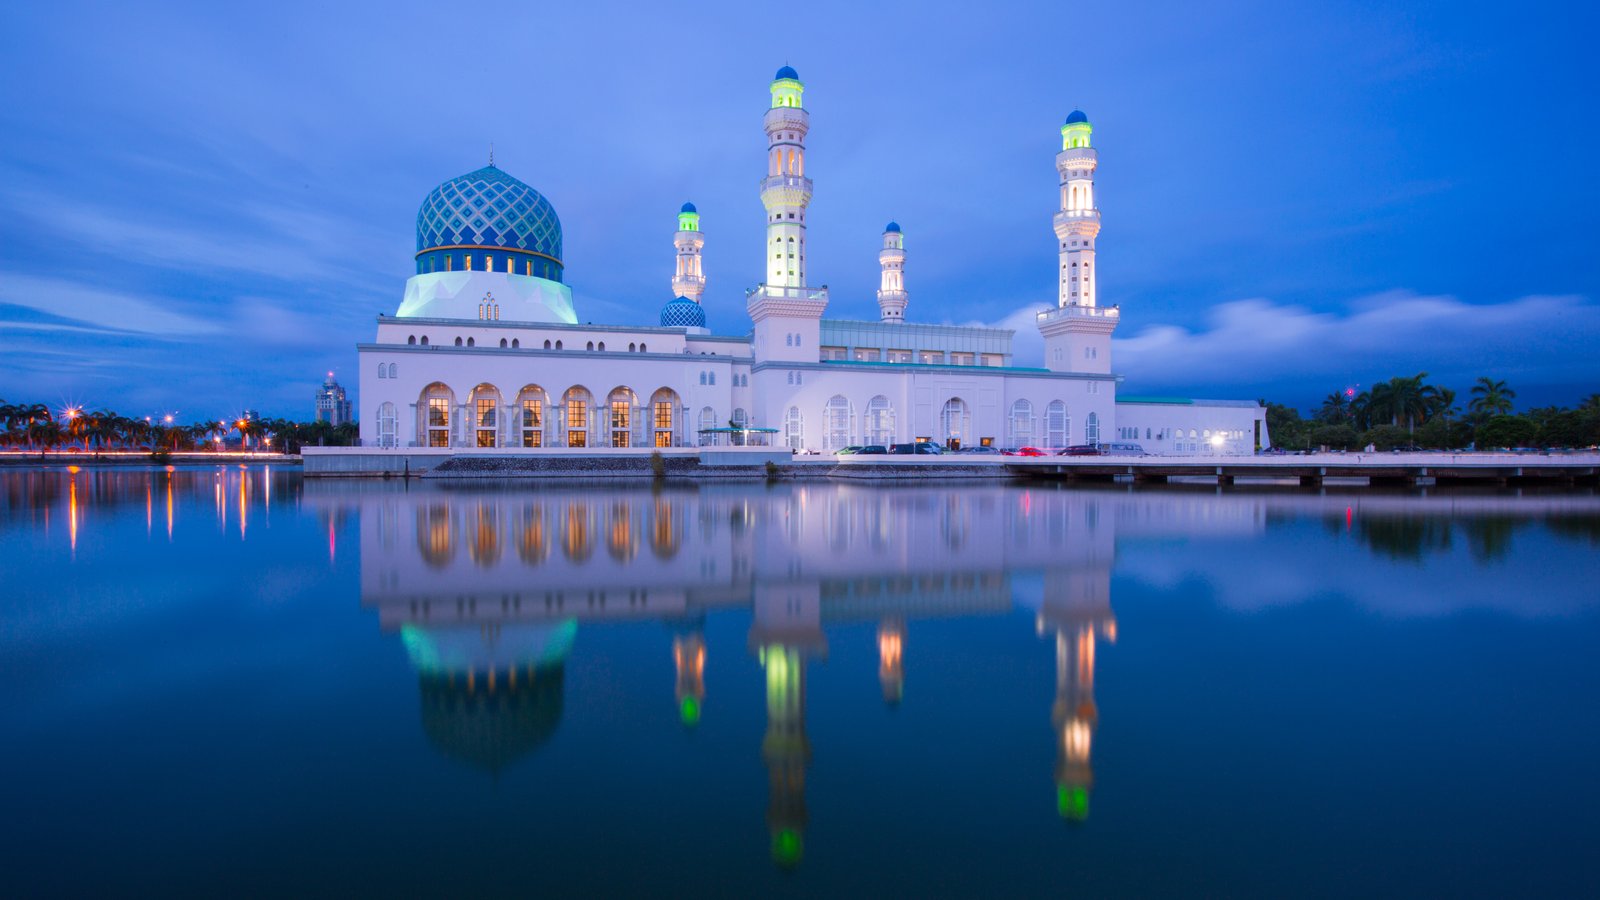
[
  {"x": 1077, "y": 606},
  {"x": 787, "y": 628},
  {"x": 891, "y": 662},
  {"x": 689, "y": 656}
]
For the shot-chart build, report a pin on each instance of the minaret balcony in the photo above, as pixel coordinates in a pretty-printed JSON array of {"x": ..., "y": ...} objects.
[{"x": 1079, "y": 311}]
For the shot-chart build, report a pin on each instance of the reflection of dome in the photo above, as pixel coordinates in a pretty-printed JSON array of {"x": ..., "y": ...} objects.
[
  {"x": 490, "y": 730},
  {"x": 682, "y": 312},
  {"x": 1076, "y": 117},
  {"x": 490, "y": 209},
  {"x": 490, "y": 694}
]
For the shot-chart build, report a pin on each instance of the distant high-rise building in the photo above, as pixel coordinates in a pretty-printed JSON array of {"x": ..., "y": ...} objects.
[{"x": 333, "y": 406}]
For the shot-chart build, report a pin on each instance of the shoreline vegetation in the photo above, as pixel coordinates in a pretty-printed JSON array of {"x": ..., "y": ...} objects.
[
  {"x": 1408, "y": 413},
  {"x": 34, "y": 428}
]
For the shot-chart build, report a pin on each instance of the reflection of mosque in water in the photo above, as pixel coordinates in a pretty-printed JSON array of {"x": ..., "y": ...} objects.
[{"x": 487, "y": 590}]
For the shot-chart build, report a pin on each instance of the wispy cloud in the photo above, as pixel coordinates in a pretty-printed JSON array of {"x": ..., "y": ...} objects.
[
  {"x": 98, "y": 307},
  {"x": 1254, "y": 344}
]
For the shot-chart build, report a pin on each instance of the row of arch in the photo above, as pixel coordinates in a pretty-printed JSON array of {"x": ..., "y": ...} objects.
[
  {"x": 534, "y": 417},
  {"x": 576, "y": 528},
  {"x": 877, "y": 424}
]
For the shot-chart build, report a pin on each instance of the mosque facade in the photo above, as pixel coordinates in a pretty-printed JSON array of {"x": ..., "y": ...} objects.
[{"x": 486, "y": 352}]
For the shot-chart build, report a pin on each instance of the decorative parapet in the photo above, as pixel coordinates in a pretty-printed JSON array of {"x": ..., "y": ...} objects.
[{"x": 774, "y": 300}]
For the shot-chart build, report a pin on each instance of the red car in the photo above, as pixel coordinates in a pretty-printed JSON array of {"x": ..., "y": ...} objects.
[{"x": 1025, "y": 451}]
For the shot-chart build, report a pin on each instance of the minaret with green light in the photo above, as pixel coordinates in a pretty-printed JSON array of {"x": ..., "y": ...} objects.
[
  {"x": 689, "y": 279},
  {"x": 786, "y": 191},
  {"x": 1078, "y": 331},
  {"x": 786, "y": 311}
]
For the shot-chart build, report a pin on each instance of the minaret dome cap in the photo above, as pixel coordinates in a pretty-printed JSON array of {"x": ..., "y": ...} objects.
[
  {"x": 892, "y": 228},
  {"x": 689, "y": 208},
  {"x": 786, "y": 72},
  {"x": 1076, "y": 117}
]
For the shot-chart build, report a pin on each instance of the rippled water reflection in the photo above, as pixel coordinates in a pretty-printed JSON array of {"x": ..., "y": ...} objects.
[{"x": 225, "y": 676}]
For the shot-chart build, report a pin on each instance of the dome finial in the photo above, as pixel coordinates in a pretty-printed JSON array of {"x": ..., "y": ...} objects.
[{"x": 491, "y": 153}]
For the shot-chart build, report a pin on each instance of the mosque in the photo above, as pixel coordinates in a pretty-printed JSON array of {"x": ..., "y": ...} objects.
[{"x": 486, "y": 351}]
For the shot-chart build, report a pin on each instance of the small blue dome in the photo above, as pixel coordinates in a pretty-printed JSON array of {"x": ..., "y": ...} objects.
[
  {"x": 786, "y": 72},
  {"x": 892, "y": 228},
  {"x": 1077, "y": 116},
  {"x": 681, "y": 312},
  {"x": 688, "y": 207}
]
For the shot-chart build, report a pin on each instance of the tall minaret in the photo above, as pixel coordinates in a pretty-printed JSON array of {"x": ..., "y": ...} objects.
[
  {"x": 1077, "y": 332},
  {"x": 1078, "y": 222},
  {"x": 690, "y": 279},
  {"x": 892, "y": 288},
  {"x": 786, "y": 191},
  {"x": 786, "y": 312}
]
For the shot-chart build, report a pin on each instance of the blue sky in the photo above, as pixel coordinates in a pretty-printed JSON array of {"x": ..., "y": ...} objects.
[{"x": 205, "y": 205}]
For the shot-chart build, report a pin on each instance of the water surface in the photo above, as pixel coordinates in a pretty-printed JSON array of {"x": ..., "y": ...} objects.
[{"x": 227, "y": 679}]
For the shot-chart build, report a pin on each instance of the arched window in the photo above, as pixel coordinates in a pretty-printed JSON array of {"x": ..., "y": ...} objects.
[
  {"x": 702, "y": 378},
  {"x": 558, "y": 345},
  {"x": 531, "y": 402},
  {"x": 576, "y": 402},
  {"x": 591, "y": 345},
  {"x": 664, "y": 417},
  {"x": 880, "y": 421},
  {"x": 631, "y": 345},
  {"x": 485, "y": 407},
  {"x": 471, "y": 342},
  {"x": 504, "y": 343},
  {"x": 711, "y": 378},
  {"x": 602, "y": 346},
  {"x": 424, "y": 340},
  {"x": 388, "y": 425},
  {"x": 1091, "y": 430},
  {"x": 412, "y": 340},
  {"x": 383, "y": 371},
  {"x": 789, "y": 377},
  {"x": 794, "y": 428},
  {"x": 1021, "y": 423},
  {"x": 516, "y": 343},
  {"x": 788, "y": 340},
  {"x": 435, "y": 406},
  {"x": 394, "y": 370},
  {"x": 547, "y": 345},
  {"x": 739, "y": 417},
  {"x": 458, "y": 342},
  {"x": 953, "y": 421},
  {"x": 619, "y": 416},
  {"x": 836, "y": 421},
  {"x": 1056, "y": 424},
  {"x": 708, "y": 421},
  {"x": 642, "y": 349}
]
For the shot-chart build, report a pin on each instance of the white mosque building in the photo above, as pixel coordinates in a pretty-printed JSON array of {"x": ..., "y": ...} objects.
[{"x": 486, "y": 353}]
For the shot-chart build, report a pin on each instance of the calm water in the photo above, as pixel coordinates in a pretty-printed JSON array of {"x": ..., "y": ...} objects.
[{"x": 227, "y": 680}]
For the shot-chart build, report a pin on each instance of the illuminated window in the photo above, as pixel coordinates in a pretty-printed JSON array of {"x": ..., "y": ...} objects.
[{"x": 468, "y": 264}]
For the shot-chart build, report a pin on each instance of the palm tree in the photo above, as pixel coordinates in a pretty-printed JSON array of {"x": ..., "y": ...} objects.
[
  {"x": 1491, "y": 398},
  {"x": 1409, "y": 399},
  {"x": 1335, "y": 408}
]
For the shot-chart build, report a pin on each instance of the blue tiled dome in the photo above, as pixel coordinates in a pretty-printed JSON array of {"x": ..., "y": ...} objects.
[
  {"x": 688, "y": 207},
  {"x": 786, "y": 72},
  {"x": 1077, "y": 116},
  {"x": 682, "y": 312},
  {"x": 489, "y": 208},
  {"x": 892, "y": 228}
]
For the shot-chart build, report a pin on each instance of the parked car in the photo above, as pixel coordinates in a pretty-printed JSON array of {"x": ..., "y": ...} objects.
[
  {"x": 848, "y": 451},
  {"x": 872, "y": 450},
  {"x": 1025, "y": 451},
  {"x": 1083, "y": 450},
  {"x": 923, "y": 448},
  {"x": 1123, "y": 449},
  {"x": 982, "y": 451}
]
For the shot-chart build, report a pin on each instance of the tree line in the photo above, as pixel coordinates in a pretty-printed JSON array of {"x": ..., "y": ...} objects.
[
  {"x": 1407, "y": 412},
  {"x": 35, "y": 426}
]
